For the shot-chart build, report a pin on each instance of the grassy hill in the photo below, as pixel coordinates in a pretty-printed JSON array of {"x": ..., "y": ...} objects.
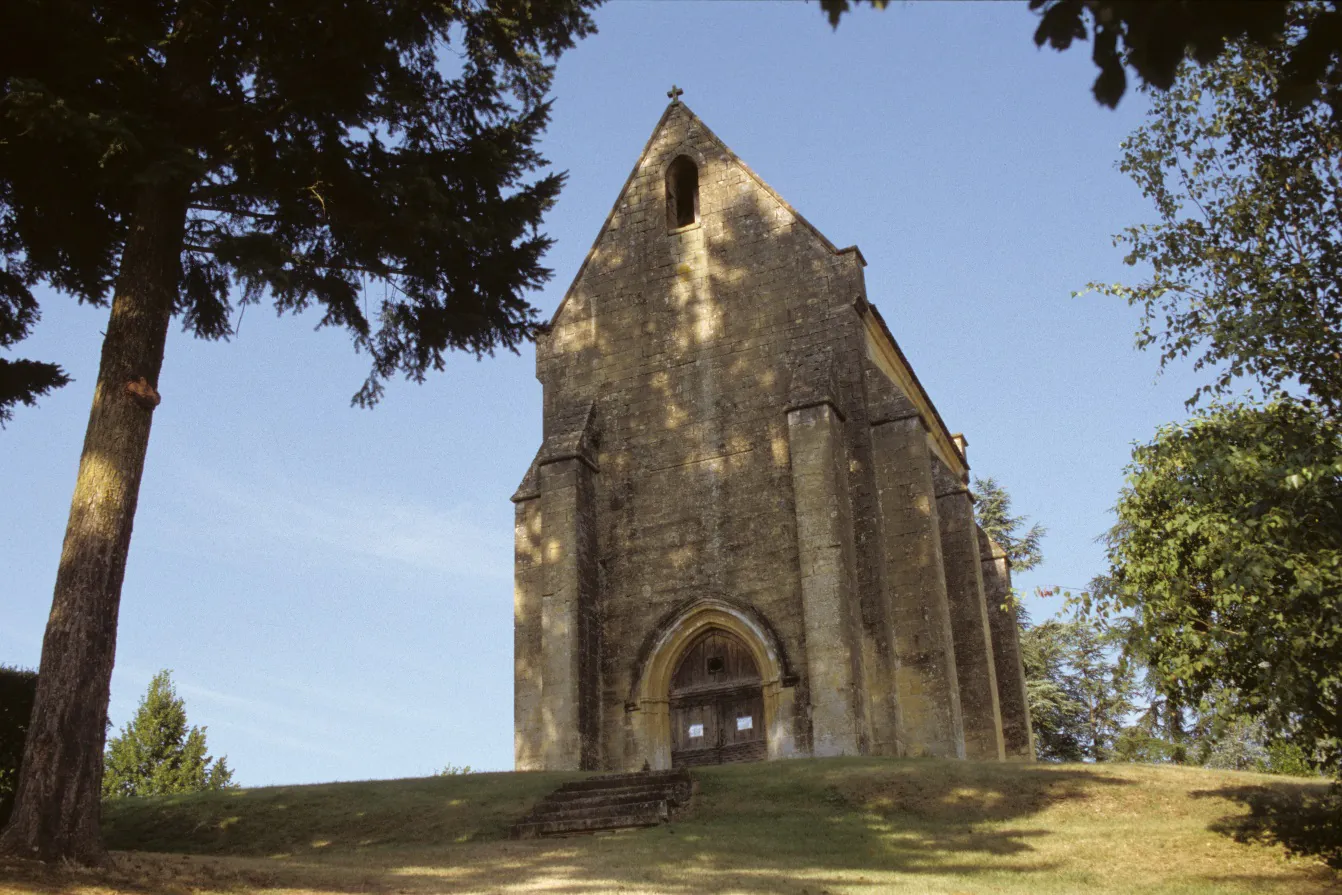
[{"x": 829, "y": 826}]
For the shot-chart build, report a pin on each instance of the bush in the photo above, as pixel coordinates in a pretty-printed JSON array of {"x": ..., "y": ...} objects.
[{"x": 18, "y": 689}]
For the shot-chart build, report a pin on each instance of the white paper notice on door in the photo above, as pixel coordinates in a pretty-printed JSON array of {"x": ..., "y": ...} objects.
[
  {"x": 745, "y": 722},
  {"x": 696, "y": 730}
]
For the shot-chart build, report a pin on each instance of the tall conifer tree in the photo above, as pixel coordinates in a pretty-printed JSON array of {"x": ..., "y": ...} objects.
[
  {"x": 157, "y": 753},
  {"x": 992, "y": 510},
  {"x": 172, "y": 158}
]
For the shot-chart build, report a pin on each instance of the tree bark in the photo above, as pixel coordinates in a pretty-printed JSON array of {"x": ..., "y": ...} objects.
[{"x": 57, "y": 803}]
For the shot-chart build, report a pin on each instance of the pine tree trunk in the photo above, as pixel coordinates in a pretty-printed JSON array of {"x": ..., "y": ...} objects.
[{"x": 57, "y": 802}]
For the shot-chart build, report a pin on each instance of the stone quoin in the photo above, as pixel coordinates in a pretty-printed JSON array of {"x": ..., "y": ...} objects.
[{"x": 747, "y": 533}]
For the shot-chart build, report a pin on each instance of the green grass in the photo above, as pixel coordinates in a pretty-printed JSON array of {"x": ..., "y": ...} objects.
[
  {"x": 830, "y": 826},
  {"x": 287, "y": 821}
]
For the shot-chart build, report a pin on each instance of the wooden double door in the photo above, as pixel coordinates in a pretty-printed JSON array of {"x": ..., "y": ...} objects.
[{"x": 717, "y": 704}]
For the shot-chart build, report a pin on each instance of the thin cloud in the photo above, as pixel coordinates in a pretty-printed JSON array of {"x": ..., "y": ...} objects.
[
  {"x": 285, "y": 741},
  {"x": 341, "y": 526},
  {"x": 259, "y": 710},
  {"x": 346, "y": 699},
  {"x": 257, "y": 719}
]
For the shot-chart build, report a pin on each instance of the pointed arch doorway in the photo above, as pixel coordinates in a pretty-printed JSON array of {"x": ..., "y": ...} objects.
[{"x": 717, "y": 703}]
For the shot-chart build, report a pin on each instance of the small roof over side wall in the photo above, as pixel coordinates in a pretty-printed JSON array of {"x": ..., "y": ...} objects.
[{"x": 886, "y": 354}]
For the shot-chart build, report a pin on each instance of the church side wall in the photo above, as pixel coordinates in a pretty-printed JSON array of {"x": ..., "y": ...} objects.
[
  {"x": 975, "y": 668},
  {"x": 925, "y": 677},
  {"x": 1017, "y": 737},
  {"x": 874, "y": 613}
]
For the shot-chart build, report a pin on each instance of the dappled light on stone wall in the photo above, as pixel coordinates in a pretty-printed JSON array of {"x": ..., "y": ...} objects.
[{"x": 725, "y": 419}]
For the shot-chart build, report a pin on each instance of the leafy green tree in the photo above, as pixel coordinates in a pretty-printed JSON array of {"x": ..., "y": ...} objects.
[
  {"x": 1213, "y": 732},
  {"x": 992, "y": 510},
  {"x": 1154, "y": 39},
  {"x": 1245, "y": 256},
  {"x": 156, "y": 753},
  {"x": 1217, "y": 734},
  {"x": 1228, "y": 557},
  {"x": 156, "y": 155}
]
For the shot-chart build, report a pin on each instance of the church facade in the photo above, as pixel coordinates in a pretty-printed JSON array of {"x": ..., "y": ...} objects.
[{"x": 747, "y": 533}]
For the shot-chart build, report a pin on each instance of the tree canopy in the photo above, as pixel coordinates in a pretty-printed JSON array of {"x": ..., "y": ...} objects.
[
  {"x": 156, "y": 753},
  {"x": 1245, "y": 257},
  {"x": 1080, "y": 689},
  {"x": 1229, "y": 557},
  {"x": 1225, "y": 561},
  {"x": 1155, "y": 38},
  {"x": 312, "y": 148}
]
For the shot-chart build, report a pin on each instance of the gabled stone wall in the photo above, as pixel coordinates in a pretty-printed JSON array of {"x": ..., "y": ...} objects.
[{"x": 719, "y": 430}]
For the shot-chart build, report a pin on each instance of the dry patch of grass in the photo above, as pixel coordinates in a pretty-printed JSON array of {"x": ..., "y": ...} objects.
[{"x": 830, "y": 826}]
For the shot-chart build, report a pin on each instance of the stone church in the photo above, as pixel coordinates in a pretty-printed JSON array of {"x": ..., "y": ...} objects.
[{"x": 747, "y": 533}]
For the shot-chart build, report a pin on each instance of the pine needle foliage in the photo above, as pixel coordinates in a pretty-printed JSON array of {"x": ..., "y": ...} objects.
[
  {"x": 992, "y": 509},
  {"x": 1080, "y": 688},
  {"x": 157, "y": 754},
  {"x": 375, "y": 161}
]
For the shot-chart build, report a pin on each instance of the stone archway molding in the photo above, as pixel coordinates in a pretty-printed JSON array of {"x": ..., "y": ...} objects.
[{"x": 651, "y": 705}]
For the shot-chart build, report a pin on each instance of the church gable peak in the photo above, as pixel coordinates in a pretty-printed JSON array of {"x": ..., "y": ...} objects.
[{"x": 686, "y": 178}]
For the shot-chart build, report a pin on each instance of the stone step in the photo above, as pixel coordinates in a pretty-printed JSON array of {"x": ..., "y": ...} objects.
[
  {"x": 562, "y": 810},
  {"x": 640, "y": 778},
  {"x": 675, "y": 797},
  {"x": 532, "y": 829},
  {"x": 631, "y": 793},
  {"x": 608, "y": 802}
]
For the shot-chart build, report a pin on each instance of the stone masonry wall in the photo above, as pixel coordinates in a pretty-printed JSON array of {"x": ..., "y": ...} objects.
[
  {"x": 685, "y": 340},
  {"x": 1017, "y": 737},
  {"x": 707, "y": 388},
  {"x": 975, "y": 668},
  {"x": 528, "y": 731},
  {"x": 925, "y": 677},
  {"x": 828, "y": 603}
]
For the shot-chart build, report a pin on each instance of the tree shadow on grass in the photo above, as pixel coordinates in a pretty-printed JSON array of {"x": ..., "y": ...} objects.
[
  {"x": 792, "y": 827},
  {"x": 1304, "y": 818},
  {"x": 313, "y": 820}
]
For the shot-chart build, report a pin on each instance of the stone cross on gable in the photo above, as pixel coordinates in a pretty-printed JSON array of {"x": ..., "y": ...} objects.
[{"x": 675, "y": 93}]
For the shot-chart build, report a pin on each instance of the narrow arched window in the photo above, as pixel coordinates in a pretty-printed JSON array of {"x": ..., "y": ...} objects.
[{"x": 682, "y": 193}]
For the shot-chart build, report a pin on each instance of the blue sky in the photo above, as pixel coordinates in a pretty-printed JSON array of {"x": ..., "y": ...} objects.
[{"x": 332, "y": 587}]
